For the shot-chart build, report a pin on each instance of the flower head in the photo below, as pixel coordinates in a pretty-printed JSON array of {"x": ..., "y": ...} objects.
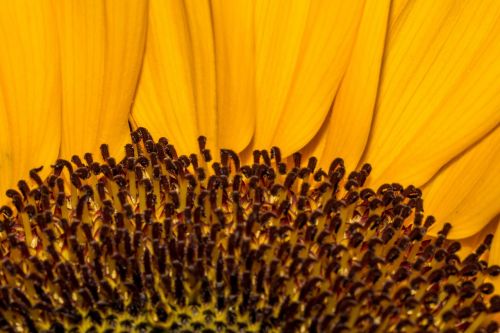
[
  {"x": 167, "y": 243},
  {"x": 408, "y": 86}
]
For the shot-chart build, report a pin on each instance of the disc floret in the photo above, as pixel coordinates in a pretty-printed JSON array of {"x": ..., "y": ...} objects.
[{"x": 166, "y": 243}]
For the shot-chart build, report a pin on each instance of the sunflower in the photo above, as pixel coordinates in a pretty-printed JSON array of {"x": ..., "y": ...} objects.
[{"x": 407, "y": 86}]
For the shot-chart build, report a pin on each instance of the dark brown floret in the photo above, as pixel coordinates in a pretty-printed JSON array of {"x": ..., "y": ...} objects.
[{"x": 167, "y": 243}]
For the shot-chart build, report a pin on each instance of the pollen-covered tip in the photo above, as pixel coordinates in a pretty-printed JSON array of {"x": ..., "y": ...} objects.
[{"x": 159, "y": 242}]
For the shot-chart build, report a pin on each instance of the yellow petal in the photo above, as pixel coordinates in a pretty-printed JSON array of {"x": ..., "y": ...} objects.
[
  {"x": 102, "y": 44},
  {"x": 234, "y": 34},
  {"x": 471, "y": 243},
  {"x": 466, "y": 192},
  {"x": 399, "y": 9},
  {"x": 494, "y": 256},
  {"x": 164, "y": 102},
  {"x": 350, "y": 121},
  {"x": 29, "y": 90},
  {"x": 495, "y": 248},
  {"x": 199, "y": 21},
  {"x": 302, "y": 52},
  {"x": 440, "y": 91},
  {"x": 468, "y": 245},
  {"x": 316, "y": 146},
  {"x": 280, "y": 28},
  {"x": 176, "y": 94},
  {"x": 179, "y": 93}
]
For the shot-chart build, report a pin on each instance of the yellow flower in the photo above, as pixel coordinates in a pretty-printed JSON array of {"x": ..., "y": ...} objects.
[{"x": 409, "y": 86}]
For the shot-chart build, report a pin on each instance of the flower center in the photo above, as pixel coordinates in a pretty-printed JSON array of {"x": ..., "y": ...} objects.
[{"x": 167, "y": 243}]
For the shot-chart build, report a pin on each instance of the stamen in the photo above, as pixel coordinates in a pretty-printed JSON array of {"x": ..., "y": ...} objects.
[{"x": 167, "y": 243}]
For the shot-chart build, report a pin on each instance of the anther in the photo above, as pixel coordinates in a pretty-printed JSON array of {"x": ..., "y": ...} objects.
[{"x": 233, "y": 246}]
